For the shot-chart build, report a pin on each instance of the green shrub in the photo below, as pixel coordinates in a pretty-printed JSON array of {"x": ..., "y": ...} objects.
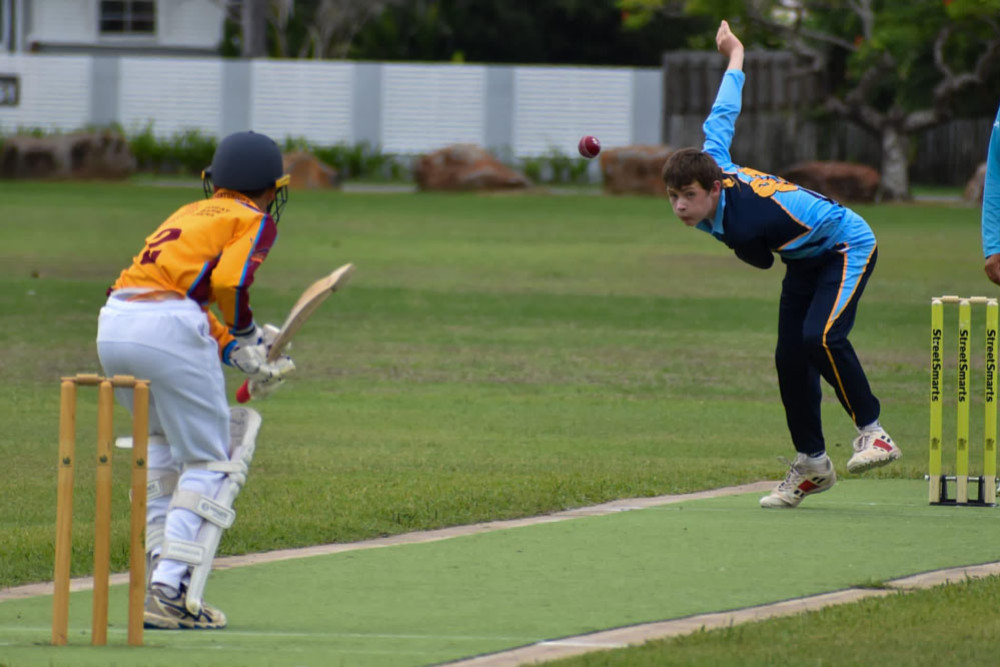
[
  {"x": 188, "y": 151},
  {"x": 192, "y": 150},
  {"x": 361, "y": 160},
  {"x": 555, "y": 167},
  {"x": 532, "y": 169}
]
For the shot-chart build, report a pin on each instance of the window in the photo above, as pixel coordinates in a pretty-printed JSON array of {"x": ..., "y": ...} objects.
[
  {"x": 128, "y": 17},
  {"x": 9, "y": 89}
]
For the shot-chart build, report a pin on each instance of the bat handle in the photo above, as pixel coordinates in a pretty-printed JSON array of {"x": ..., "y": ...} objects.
[{"x": 243, "y": 393}]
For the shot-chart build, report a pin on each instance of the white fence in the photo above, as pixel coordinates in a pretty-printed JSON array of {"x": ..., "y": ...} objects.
[
  {"x": 174, "y": 95},
  {"x": 402, "y": 108},
  {"x": 555, "y": 106},
  {"x": 301, "y": 99},
  {"x": 424, "y": 106},
  {"x": 55, "y": 93}
]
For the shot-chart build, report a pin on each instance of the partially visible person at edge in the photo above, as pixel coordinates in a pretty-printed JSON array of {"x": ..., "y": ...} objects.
[
  {"x": 156, "y": 325},
  {"x": 829, "y": 253},
  {"x": 991, "y": 205}
]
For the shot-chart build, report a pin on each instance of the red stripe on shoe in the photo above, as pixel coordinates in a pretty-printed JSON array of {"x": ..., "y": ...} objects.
[
  {"x": 808, "y": 486},
  {"x": 882, "y": 444}
]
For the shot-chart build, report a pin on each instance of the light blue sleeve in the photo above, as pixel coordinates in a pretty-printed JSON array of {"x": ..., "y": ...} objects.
[
  {"x": 991, "y": 194},
  {"x": 720, "y": 125}
]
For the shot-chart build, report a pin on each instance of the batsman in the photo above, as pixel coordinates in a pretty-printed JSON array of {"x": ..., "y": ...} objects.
[{"x": 157, "y": 324}]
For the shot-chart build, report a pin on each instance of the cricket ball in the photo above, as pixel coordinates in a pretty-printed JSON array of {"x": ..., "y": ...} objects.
[{"x": 589, "y": 146}]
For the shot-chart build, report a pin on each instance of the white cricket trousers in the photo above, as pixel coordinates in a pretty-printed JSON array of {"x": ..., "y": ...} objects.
[{"x": 168, "y": 343}]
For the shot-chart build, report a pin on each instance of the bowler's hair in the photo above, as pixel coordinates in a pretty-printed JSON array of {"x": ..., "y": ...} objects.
[{"x": 689, "y": 165}]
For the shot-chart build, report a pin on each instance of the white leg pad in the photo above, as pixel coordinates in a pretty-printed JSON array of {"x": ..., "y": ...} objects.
[
  {"x": 217, "y": 512},
  {"x": 205, "y": 507},
  {"x": 160, "y": 485}
]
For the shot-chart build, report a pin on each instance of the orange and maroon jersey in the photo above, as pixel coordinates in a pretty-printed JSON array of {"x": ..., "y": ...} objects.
[{"x": 208, "y": 251}]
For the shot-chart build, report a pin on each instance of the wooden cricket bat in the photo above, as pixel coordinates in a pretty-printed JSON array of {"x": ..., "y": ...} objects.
[{"x": 311, "y": 298}]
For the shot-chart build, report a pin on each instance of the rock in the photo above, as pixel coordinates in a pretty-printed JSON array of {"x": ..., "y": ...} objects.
[
  {"x": 974, "y": 188},
  {"x": 465, "y": 167},
  {"x": 308, "y": 172},
  {"x": 842, "y": 181},
  {"x": 634, "y": 169},
  {"x": 83, "y": 155}
]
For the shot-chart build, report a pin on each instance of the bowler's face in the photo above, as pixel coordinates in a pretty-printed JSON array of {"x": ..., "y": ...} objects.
[{"x": 692, "y": 203}]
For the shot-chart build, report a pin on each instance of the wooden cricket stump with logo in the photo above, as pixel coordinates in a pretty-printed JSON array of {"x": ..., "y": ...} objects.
[{"x": 102, "y": 516}]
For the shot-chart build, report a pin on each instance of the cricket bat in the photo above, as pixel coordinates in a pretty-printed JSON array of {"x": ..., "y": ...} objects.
[{"x": 311, "y": 299}]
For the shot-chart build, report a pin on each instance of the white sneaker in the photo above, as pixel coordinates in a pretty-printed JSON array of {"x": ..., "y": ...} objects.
[
  {"x": 805, "y": 477},
  {"x": 872, "y": 448},
  {"x": 163, "y": 612}
]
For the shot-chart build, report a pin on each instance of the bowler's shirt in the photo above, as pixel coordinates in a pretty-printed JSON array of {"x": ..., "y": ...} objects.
[
  {"x": 760, "y": 213},
  {"x": 991, "y": 194},
  {"x": 208, "y": 251}
]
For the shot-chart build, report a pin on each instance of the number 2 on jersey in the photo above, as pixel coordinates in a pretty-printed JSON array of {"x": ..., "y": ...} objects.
[{"x": 163, "y": 236}]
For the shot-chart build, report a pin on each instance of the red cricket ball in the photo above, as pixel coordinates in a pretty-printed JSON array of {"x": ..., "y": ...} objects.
[{"x": 589, "y": 146}]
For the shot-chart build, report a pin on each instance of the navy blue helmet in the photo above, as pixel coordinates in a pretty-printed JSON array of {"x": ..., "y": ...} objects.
[{"x": 247, "y": 162}]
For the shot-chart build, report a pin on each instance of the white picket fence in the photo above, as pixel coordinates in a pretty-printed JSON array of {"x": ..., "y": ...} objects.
[{"x": 402, "y": 108}]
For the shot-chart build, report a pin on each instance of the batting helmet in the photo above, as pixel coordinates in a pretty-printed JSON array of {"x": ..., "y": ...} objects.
[{"x": 247, "y": 162}]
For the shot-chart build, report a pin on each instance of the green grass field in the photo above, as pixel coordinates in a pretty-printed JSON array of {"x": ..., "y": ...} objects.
[{"x": 493, "y": 357}]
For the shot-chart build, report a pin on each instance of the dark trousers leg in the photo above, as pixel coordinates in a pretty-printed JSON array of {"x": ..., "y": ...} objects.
[
  {"x": 798, "y": 378},
  {"x": 819, "y": 300}
]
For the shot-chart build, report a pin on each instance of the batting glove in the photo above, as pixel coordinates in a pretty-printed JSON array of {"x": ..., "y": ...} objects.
[
  {"x": 268, "y": 333},
  {"x": 248, "y": 352},
  {"x": 261, "y": 386}
]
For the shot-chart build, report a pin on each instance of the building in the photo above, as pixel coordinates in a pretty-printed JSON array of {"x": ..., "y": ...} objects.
[{"x": 112, "y": 27}]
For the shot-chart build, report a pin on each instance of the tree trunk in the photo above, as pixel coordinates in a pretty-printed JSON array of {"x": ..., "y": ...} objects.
[
  {"x": 254, "y": 24},
  {"x": 895, "y": 177}
]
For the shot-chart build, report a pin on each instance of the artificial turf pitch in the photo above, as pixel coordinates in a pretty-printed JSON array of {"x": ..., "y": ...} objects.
[{"x": 428, "y": 603}]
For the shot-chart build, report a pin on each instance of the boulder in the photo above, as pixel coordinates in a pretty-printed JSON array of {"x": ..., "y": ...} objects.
[
  {"x": 83, "y": 155},
  {"x": 842, "y": 181},
  {"x": 465, "y": 167},
  {"x": 308, "y": 172},
  {"x": 634, "y": 169},
  {"x": 974, "y": 188}
]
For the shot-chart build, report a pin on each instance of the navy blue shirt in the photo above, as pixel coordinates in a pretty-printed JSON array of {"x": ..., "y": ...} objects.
[{"x": 759, "y": 213}]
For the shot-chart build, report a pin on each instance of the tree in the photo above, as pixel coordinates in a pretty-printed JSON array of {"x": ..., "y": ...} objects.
[
  {"x": 895, "y": 67},
  {"x": 253, "y": 23},
  {"x": 590, "y": 32},
  {"x": 298, "y": 28},
  {"x": 582, "y": 32},
  {"x": 329, "y": 26}
]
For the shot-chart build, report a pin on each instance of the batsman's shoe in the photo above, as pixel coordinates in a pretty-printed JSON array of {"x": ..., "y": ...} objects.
[
  {"x": 872, "y": 448},
  {"x": 805, "y": 477},
  {"x": 170, "y": 613}
]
